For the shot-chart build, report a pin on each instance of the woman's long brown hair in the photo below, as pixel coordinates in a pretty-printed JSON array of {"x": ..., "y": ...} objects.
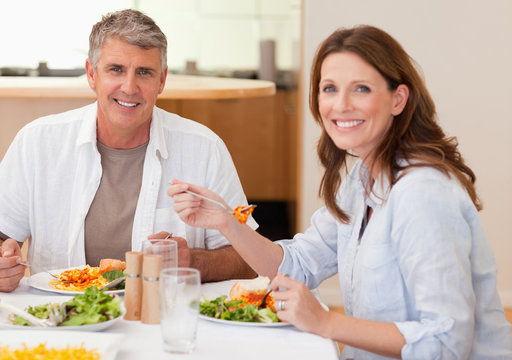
[{"x": 414, "y": 135}]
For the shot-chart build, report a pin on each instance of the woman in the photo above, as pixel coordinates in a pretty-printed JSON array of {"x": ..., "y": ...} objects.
[{"x": 417, "y": 272}]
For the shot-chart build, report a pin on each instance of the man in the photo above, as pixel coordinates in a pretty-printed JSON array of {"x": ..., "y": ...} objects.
[{"x": 91, "y": 183}]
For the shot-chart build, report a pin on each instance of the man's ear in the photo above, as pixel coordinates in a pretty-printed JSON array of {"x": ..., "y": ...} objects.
[
  {"x": 400, "y": 99},
  {"x": 89, "y": 70},
  {"x": 163, "y": 77}
]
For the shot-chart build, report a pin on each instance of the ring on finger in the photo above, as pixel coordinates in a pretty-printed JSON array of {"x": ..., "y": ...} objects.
[{"x": 280, "y": 305}]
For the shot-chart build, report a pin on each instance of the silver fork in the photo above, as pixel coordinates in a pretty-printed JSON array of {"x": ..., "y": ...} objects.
[
  {"x": 46, "y": 271},
  {"x": 230, "y": 211},
  {"x": 113, "y": 283},
  {"x": 53, "y": 320}
]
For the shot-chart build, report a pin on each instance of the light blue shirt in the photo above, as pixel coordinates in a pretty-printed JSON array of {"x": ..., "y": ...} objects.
[{"x": 423, "y": 262}]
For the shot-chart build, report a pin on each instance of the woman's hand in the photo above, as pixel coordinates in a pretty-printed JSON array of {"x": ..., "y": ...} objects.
[
  {"x": 301, "y": 308},
  {"x": 196, "y": 211}
]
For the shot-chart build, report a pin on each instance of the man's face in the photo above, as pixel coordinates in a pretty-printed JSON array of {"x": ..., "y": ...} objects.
[{"x": 127, "y": 80}]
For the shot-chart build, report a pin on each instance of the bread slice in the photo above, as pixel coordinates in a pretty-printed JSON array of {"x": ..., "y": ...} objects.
[
  {"x": 250, "y": 291},
  {"x": 112, "y": 264}
]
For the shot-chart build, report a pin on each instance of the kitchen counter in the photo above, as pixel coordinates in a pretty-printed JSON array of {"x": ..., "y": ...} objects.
[{"x": 176, "y": 87}]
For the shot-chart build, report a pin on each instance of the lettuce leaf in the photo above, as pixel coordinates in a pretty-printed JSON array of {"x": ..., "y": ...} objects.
[{"x": 112, "y": 275}]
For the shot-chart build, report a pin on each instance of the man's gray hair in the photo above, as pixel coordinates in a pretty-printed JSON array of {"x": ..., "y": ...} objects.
[{"x": 131, "y": 26}]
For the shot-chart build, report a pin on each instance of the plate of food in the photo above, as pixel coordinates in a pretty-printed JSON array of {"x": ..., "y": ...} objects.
[
  {"x": 92, "y": 311},
  {"x": 246, "y": 305},
  {"x": 59, "y": 344},
  {"x": 76, "y": 280}
]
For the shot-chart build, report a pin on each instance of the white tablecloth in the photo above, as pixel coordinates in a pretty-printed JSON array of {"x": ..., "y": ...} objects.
[{"x": 214, "y": 340}]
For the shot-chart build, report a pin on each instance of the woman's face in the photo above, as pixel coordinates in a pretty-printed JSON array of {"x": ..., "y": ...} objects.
[{"x": 355, "y": 103}]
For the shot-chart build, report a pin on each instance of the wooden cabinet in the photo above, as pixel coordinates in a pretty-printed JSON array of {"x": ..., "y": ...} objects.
[{"x": 261, "y": 135}]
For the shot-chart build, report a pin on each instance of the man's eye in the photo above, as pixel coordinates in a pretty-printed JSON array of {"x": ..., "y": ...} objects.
[
  {"x": 115, "y": 69},
  {"x": 144, "y": 72}
]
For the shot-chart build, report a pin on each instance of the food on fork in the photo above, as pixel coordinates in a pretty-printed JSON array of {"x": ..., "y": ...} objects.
[{"x": 242, "y": 213}]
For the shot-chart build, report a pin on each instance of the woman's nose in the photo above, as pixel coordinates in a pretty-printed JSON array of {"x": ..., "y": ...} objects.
[{"x": 343, "y": 102}]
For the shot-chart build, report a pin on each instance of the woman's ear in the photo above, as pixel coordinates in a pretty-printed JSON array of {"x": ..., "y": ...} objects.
[{"x": 400, "y": 100}]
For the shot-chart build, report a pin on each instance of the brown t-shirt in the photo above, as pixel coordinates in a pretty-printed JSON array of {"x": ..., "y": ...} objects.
[{"x": 109, "y": 222}]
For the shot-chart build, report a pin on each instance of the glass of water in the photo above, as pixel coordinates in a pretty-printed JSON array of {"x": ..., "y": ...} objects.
[
  {"x": 166, "y": 248},
  {"x": 179, "y": 308}
]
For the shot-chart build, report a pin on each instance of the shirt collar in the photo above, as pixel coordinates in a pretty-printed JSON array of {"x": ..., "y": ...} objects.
[
  {"x": 157, "y": 143},
  {"x": 87, "y": 133},
  {"x": 380, "y": 190}
]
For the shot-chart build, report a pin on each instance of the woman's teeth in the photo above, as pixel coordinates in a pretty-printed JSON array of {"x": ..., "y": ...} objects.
[
  {"x": 347, "y": 124},
  {"x": 126, "y": 104}
]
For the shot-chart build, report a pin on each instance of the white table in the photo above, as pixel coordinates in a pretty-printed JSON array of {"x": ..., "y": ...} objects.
[{"x": 214, "y": 340}]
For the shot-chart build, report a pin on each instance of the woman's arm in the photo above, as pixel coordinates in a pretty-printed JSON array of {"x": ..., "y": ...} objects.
[
  {"x": 302, "y": 309},
  {"x": 258, "y": 251}
]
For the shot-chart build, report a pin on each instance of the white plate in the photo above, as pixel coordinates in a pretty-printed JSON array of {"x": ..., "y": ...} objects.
[
  {"x": 41, "y": 281},
  {"x": 24, "y": 302},
  {"x": 107, "y": 344},
  {"x": 210, "y": 294},
  {"x": 243, "y": 323}
]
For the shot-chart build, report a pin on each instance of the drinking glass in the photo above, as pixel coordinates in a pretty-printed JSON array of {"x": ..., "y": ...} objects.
[
  {"x": 166, "y": 248},
  {"x": 179, "y": 308}
]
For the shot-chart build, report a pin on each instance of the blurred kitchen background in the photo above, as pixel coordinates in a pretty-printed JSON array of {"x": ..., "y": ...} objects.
[{"x": 212, "y": 37}]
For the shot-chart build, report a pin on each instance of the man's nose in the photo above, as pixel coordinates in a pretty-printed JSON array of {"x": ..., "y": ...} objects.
[{"x": 129, "y": 85}]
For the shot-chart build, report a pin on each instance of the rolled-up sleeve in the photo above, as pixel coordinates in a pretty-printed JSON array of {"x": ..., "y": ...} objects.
[
  {"x": 311, "y": 257},
  {"x": 424, "y": 339}
]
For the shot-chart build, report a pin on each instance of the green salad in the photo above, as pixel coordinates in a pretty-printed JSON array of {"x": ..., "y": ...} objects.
[
  {"x": 92, "y": 307},
  {"x": 112, "y": 275},
  {"x": 236, "y": 310}
]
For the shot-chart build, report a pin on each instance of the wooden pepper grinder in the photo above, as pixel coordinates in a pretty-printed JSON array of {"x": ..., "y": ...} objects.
[
  {"x": 133, "y": 287},
  {"x": 150, "y": 298}
]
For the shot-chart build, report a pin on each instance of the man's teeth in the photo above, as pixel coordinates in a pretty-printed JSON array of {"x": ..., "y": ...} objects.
[
  {"x": 126, "y": 104},
  {"x": 347, "y": 124}
]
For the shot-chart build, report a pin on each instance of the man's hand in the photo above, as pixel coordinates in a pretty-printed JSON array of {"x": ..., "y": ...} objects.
[
  {"x": 10, "y": 271},
  {"x": 214, "y": 265},
  {"x": 183, "y": 249}
]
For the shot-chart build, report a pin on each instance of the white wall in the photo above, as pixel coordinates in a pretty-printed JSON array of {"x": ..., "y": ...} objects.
[{"x": 464, "y": 49}]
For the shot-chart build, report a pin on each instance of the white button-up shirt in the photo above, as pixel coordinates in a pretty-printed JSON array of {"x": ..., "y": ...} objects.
[
  {"x": 423, "y": 262},
  {"x": 52, "y": 170}
]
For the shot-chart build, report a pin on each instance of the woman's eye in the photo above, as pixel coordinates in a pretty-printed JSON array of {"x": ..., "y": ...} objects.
[
  {"x": 328, "y": 88},
  {"x": 363, "y": 88}
]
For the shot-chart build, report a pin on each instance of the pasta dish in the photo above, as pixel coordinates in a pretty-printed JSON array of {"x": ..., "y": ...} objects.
[{"x": 80, "y": 279}]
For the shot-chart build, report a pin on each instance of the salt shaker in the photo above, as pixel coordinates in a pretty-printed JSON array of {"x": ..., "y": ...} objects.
[
  {"x": 133, "y": 285},
  {"x": 152, "y": 265}
]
